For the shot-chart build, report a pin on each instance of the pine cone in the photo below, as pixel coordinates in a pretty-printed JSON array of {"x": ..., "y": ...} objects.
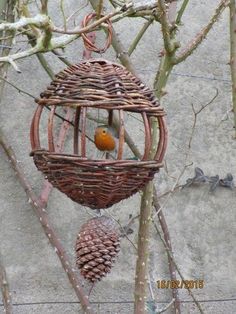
[{"x": 96, "y": 247}]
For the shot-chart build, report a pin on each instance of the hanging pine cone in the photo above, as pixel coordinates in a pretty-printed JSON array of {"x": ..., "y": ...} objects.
[{"x": 96, "y": 247}]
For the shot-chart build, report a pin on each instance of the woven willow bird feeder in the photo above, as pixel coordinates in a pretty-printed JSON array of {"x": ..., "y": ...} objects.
[{"x": 97, "y": 84}]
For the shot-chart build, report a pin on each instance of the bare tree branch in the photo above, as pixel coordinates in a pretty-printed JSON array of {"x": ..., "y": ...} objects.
[
  {"x": 4, "y": 287},
  {"x": 44, "y": 6},
  {"x": 232, "y": 22},
  {"x": 45, "y": 42},
  {"x": 39, "y": 21},
  {"x": 48, "y": 229},
  {"x": 188, "y": 50},
  {"x": 166, "y": 30},
  {"x": 39, "y": 205}
]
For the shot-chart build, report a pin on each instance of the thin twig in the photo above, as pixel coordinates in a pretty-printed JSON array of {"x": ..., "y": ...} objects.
[
  {"x": 150, "y": 288},
  {"x": 63, "y": 14},
  {"x": 181, "y": 11},
  {"x": 170, "y": 256},
  {"x": 45, "y": 65},
  {"x": 196, "y": 113},
  {"x": 44, "y": 6},
  {"x": 99, "y": 9},
  {"x": 4, "y": 287},
  {"x": 165, "y": 308},
  {"x": 140, "y": 35},
  {"x": 169, "y": 47},
  {"x": 61, "y": 57},
  {"x": 21, "y": 91},
  {"x": 144, "y": 9},
  {"x": 232, "y": 23},
  {"x": 90, "y": 27},
  {"x": 76, "y": 11},
  {"x": 190, "y": 47},
  {"x": 176, "y": 185},
  {"x": 126, "y": 229},
  {"x": 123, "y": 231}
]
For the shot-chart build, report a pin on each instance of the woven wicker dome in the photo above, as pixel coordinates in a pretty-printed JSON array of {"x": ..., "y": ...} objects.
[{"x": 105, "y": 86}]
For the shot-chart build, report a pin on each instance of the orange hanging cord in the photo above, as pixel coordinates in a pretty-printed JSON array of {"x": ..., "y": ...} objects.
[{"x": 88, "y": 43}]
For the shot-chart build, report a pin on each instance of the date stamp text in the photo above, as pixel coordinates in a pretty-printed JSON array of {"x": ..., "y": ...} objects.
[{"x": 180, "y": 284}]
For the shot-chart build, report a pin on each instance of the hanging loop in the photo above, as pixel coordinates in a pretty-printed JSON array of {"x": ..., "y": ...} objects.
[{"x": 88, "y": 43}]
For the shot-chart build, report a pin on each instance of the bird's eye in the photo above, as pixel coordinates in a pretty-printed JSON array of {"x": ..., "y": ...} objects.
[{"x": 104, "y": 131}]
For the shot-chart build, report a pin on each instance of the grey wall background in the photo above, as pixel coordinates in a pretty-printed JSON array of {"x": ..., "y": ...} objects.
[{"x": 202, "y": 224}]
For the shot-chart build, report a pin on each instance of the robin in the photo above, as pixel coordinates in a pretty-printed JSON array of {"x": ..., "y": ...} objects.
[{"x": 104, "y": 139}]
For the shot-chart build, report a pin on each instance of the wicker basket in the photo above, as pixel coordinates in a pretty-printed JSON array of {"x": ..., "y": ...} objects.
[{"x": 108, "y": 86}]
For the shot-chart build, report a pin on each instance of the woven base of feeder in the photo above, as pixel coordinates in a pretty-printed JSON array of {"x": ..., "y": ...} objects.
[{"x": 76, "y": 177}]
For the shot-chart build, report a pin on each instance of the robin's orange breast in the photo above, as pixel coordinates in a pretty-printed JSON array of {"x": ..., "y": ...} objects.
[{"x": 104, "y": 140}]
